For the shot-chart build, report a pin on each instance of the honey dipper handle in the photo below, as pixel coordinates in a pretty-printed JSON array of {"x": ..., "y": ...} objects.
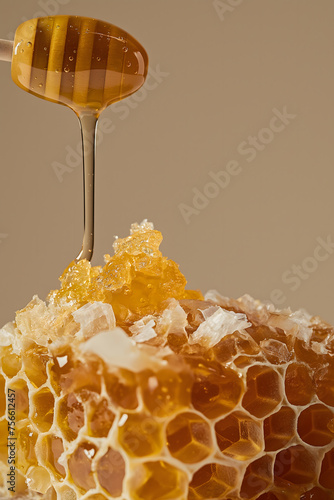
[{"x": 6, "y": 50}]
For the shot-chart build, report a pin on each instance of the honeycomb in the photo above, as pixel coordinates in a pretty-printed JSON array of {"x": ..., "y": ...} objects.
[{"x": 124, "y": 385}]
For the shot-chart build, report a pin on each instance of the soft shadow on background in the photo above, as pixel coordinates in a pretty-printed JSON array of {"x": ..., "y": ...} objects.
[{"x": 228, "y": 150}]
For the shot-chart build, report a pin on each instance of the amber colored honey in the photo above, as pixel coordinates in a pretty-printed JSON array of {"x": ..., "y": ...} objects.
[{"x": 80, "y": 62}]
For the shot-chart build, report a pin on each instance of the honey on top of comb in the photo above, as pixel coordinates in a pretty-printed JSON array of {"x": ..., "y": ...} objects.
[{"x": 82, "y": 63}]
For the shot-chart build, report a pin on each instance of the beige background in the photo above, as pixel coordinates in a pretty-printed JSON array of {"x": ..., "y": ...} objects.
[{"x": 226, "y": 73}]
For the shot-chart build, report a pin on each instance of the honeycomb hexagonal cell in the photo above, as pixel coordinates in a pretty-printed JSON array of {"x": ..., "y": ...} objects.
[
  {"x": 81, "y": 378},
  {"x": 299, "y": 386},
  {"x": 158, "y": 481},
  {"x": 11, "y": 364},
  {"x": 189, "y": 438},
  {"x": 314, "y": 425},
  {"x": 239, "y": 436},
  {"x": 38, "y": 479},
  {"x": 140, "y": 435},
  {"x": 22, "y": 400},
  {"x": 294, "y": 465},
  {"x": 21, "y": 486},
  {"x": 235, "y": 344},
  {"x": 216, "y": 390},
  {"x": 326, "y": 478},
  {"x": 279, "y": 428},
  {"x": 26, "y": 444},
  {"x": 324, "y": 382},
  {"x": 65, "y": 492},
  {"x": 212, "y": 481},
  {"x": 111, "y": 472},
  {"x": 122, "y": 389},
  {"x": 52, "y": 447},
  {"x": 258, "y": 477},
  {"x": 166, "y": 392},
  {"x": 80, "y": 466},
  {"x": 264, "y": 391},
  {"x": 275, "y": 351},
  {"x": 175, "y": 397},
  {"x": 100, "y": 419},
  {"x": 71, "y": 416},
  {"x": 43, "y": 407},
  {"x": 35, "y": 360}
]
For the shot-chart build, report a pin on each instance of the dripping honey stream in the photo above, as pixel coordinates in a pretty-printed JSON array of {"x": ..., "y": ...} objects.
[{"x": 86, "y": 65}]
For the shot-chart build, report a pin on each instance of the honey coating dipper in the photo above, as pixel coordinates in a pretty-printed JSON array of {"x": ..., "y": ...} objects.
[
  {"x": 81, "y": 63},
  {"x": 77, "y": 61}
]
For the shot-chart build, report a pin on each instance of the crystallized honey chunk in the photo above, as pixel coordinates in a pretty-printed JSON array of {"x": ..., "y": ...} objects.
[
  {"x": 135, "y": 281},
  {"x": 127, "y": 386}
]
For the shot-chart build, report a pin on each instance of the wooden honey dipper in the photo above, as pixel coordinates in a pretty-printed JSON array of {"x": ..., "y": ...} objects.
[{"x": 81, "y": 63}]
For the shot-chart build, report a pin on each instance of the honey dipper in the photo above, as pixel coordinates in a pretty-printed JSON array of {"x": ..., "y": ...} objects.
[{"x": 81, "y": 63}]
